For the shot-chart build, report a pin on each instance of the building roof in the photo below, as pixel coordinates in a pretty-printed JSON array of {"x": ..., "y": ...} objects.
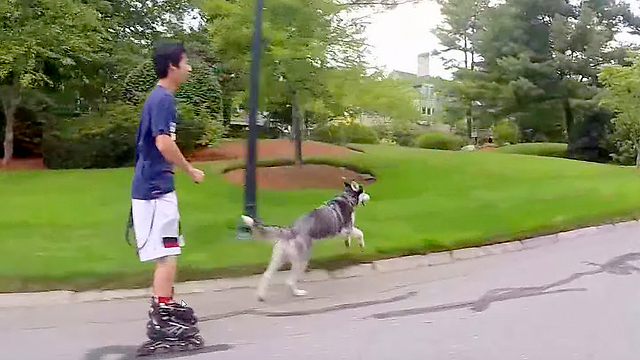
[{"x": 417, "y": 80}]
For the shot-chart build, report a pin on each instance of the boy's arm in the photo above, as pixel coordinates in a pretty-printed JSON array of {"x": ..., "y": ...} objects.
[
  {"x": 170, "y": 150},
  {"x": 162, "y": 117},
  {"x": 172, "y": 153}
]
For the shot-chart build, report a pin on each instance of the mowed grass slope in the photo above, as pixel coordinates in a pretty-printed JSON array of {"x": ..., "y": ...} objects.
[{"x": 65, "y": 229}]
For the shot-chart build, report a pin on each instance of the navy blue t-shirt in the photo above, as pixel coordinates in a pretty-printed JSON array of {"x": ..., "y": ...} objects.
[{"x": 153, "y": 175}]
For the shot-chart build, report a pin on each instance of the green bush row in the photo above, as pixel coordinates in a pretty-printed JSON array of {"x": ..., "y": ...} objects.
[
  {"x": 106, "y": 139},
  {"x": 539, "y": 149},
  {"x": 440, "y": 141},
  {"x": 339, "y": 133}
]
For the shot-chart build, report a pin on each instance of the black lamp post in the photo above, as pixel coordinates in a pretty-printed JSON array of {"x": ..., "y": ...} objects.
[{"x": 249, "y": 208}]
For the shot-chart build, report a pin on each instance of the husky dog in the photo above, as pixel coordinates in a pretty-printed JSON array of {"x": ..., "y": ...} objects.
[{"x": 334, "y": 219}]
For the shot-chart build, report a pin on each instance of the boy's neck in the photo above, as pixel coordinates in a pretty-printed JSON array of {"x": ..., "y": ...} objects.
[{"x": 169, "y": 85}]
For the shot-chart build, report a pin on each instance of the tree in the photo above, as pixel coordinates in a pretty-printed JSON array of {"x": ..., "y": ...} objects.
[
  {"x": 543, "y": 57},
  {"x": 44, "y": 42},
  {"x": 622, "y": 95},
  {"x": 458, "y": 32},
  {"x": 132, "y": 27},
  {"x": 305, "y": 41}
]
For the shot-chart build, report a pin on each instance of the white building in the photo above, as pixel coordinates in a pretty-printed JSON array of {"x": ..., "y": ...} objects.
[{"x": 428, "y": 103}]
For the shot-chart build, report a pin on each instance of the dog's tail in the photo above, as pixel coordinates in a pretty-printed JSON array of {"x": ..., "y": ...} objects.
[
  {"x": 248, "y": 221},
  {"x": 267, "y": 232}
]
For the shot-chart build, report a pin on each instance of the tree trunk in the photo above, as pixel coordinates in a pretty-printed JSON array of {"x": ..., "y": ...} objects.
[
  {"x": 638, "y": 153},
  {"x": 568, "y": 117},
  {"x": 226, "y": 106},
  {"x": 473, "y": 60},
  {"x": 466, "y": 60},
  {"x": 469, "y": 122},
  {"x": 10, "y": 102},
  {"x": 295, "y": 119}
]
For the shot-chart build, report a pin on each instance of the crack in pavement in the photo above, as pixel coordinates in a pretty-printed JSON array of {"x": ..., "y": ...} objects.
[
  {"x": 257, "y": 312},
  {"x": 324, "y": 310},
  {"x": 618, "y": 265}
]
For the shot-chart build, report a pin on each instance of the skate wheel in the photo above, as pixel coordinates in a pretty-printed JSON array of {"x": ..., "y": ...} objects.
[
  {"x": 192, "y": 347},
  {"x": 146, "y": 349},
  {"x": 195, "y": 343},
  {"x": 153, "y": 347}
]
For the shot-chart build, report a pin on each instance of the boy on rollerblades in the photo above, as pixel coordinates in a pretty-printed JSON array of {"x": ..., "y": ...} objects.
[{"x": 154, "y": 204}]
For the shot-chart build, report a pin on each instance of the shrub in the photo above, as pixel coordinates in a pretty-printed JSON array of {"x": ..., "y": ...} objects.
[
  {"x": 196, "y": 128},
  {"x": 440, "y": 141},
  {"x": 506, "y": 132},
  {"x": 538, "y": 149},
  {"x": 405, "y": 133},
  {"x": 106, "y": 139},
  {"x": 625, "y": 152},
  {"x": 213, "y": 132},
  {"x": 96, "y": 140},
  {"x": 339, "y": 133},
  {"x": 202, "y": 92}
]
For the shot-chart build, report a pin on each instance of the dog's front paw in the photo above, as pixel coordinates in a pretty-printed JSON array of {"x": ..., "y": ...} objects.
[{"x": 260, "y": 296}]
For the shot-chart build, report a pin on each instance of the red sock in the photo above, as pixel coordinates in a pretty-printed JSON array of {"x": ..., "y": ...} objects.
[{"x": 164, "y": 299}]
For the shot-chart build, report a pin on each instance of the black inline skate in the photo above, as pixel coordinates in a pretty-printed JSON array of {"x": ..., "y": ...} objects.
[
  {"x": 172, "y": 310},
  {"x": 171, "y": 327}
]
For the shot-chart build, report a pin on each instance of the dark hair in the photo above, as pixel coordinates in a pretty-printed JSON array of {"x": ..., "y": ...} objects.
[{"x": 165, "y": 54}]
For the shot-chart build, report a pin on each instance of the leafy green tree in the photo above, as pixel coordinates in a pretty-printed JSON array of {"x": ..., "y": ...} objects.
[
  {"x": 309, "y": 52},
  {"x": 43, "y": 43},
  {"x": 540, "y": 58},
  {"x": 622, "y": 96}
]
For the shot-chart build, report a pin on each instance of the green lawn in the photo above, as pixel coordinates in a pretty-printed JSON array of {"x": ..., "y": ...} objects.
[{"x": 65, "y": 229}]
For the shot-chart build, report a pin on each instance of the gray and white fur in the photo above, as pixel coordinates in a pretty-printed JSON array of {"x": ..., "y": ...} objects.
[{"x": 334, "y": 219}]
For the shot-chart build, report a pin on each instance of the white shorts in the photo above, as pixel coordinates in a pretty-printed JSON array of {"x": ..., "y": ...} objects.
[{"x": 156, "y": 227}]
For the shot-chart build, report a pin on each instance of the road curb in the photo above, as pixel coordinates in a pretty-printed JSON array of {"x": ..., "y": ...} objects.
[{"x": 9, "y": 300}]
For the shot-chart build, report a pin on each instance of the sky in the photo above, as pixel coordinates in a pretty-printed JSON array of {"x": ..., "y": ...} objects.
[{"x": 397, "y": 36}]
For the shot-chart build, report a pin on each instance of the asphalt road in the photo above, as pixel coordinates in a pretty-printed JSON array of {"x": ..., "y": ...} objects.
[{"x": 576, "y": 299}]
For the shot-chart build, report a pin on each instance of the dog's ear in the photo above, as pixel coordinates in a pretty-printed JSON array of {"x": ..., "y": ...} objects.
[{"x": 355, "y": 186}]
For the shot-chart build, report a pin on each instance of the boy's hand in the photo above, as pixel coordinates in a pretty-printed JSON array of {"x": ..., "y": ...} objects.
[{"x": 197, "y": 175}]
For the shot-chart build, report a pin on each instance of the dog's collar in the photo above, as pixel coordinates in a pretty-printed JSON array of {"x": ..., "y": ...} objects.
[
  {"x": 342, "y": 199},
  {"x": 336, "y": 210}
]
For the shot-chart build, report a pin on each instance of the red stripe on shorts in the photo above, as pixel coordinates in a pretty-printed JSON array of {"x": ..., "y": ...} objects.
[{"x": 170, "y": 242}]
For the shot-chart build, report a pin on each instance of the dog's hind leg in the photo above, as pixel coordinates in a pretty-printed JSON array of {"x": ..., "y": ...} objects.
[
  {"x": 299, "y": 261},
  {"x": 275, "y": 263},
  {"x": 297, "y": 270}
]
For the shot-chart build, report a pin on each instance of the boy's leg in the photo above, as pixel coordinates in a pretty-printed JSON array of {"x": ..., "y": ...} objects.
[
  {"x": 156, "y": 224},
  {"x": 164, "y": 277}
]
